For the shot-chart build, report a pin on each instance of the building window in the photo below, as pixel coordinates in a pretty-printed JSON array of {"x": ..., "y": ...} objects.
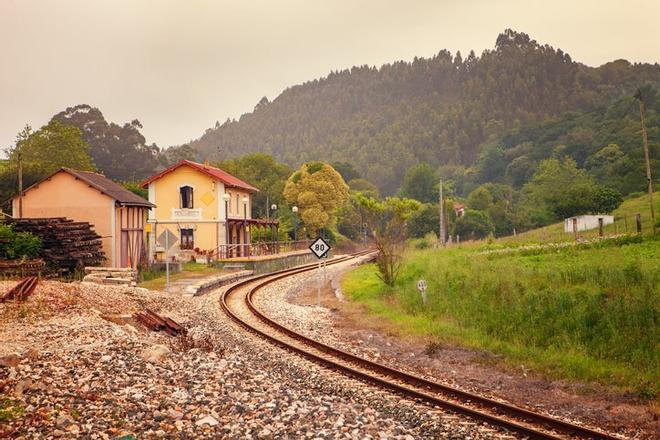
[
  {"x": 187, "y": 241},
  {"x": 238, "y": 204},
  {"x": 186, "y": 197}
]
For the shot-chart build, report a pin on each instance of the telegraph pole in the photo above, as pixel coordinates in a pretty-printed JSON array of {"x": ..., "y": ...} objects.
[
  {"x": 20, "y": 181},
  {"x": 642, "y": 109},
  {"x": 442, "y": 217}
]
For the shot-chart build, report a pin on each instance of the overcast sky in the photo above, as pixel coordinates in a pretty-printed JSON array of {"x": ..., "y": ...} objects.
[{"x": 178, "y": 66}]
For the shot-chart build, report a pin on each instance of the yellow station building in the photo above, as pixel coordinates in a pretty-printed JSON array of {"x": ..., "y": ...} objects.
[{"x": 207, "y": 209}]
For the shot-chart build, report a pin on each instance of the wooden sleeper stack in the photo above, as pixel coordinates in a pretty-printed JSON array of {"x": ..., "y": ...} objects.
[{"x": 66, "y": 244}]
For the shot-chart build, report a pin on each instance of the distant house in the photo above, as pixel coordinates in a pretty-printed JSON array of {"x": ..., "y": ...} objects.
[
  {"x": 116, "y": 214},
  {"x": 459, "y": 209},
  {"x": 205, "y": 208},
  {"x": 586, "y": 222}
]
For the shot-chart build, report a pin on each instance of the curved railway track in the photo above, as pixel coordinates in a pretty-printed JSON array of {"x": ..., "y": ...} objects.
[{"x": 519, "y": 420}]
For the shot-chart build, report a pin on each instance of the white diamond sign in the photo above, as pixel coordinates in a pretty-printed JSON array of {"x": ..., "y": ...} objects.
[{"x": 320, "y": 247}]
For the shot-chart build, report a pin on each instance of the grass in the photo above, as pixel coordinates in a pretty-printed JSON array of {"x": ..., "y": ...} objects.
[
  {"x": 624, "y": 221},
  {"x": 587, "y": 313},
  {"x": 155, "y": 280},
  {"x": 10, "y": 409}
]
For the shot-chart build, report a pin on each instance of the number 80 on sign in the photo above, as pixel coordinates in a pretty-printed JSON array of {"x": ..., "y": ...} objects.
[{"x": 320, "y": 247}]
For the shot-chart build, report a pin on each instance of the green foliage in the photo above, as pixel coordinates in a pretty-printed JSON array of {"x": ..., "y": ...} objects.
[
  {"x": 424, "y": 221},
  {"x": 43, "y": 152},
  {"x": 318, "y": 191},
  {"x": 135, "y": 188},
  {"x": 176, "y": 154},
  {"x": 347, "y": 171},
  {"x": 420, "y": 183},
  {"x": 388, "y": 222},
  {"x": 119, "y": 151},
  {"x": 18, "y": 244},
  {"x": 605, "y": 139},
  {"x": 561, "y": 187},
  {"x": 363, "y": 186},
  {"x": 473, "y": 225},
  {"x": 585, "y": 314},
  {"x": 52, "y": 147},
  {"x": 606, "y": 200},
  {"x": 496, "y": 200},
  {"x": 10, "y": 409},
  {"x": 262, "y": 171},
  {"x": 442, "y": 110}
]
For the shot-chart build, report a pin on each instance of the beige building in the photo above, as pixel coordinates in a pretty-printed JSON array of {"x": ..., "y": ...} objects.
[
  {"x": 208, "y": 210},
  {"x": 116, "y": 214}
]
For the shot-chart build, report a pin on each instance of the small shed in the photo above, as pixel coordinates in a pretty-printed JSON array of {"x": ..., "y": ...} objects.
[
  {"x": 586, "y": 222},
  {"x": 118, "y": 215}
]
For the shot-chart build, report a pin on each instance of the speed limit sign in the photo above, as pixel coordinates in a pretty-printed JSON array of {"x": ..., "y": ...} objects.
[{"x": 320, "y": 247}]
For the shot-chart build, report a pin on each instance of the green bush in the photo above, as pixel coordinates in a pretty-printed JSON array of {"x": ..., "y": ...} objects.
[
  {"x": 18, "y": 244},
  {"x": 474, "y": 225}
]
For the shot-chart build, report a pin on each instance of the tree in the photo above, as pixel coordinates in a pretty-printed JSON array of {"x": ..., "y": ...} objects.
[
  {"x": 347, "y": 170},
  {"x": 496, "y": 200},
  {"x": 178, "y": 153},
  {"x": 262, "y": 171},
  {"x": 606, "y": 200},
  {"x": 119, "y": 151},
  {"x": 363, "y": 186},
  {"x": 562, "y": 187},
  {"x": 135, "y": 188},
  {"x": 388, "y": 223},
  {"x": 420, "y": 183},
  {"x": 480, "y": 199},
  {"x": 474, "y": 225},
  {"x": 52, "y": 147},
  {"x": 424, "y": 220},
  {"x": 318, "y": 191}
]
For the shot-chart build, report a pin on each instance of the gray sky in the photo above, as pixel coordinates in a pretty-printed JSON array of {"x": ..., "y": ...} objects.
[{"x": 178, "y": 66}]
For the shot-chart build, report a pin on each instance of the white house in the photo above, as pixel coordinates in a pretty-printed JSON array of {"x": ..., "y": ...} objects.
[{"x": 586, "y": 222}]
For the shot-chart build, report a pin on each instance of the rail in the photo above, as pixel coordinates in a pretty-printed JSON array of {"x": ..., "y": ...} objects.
[{"x": 463, "y": 402}]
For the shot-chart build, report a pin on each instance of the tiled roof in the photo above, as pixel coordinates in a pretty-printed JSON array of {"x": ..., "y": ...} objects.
[
  {"x": 103, "y": 184},
  {"x": 214, "y": 172},
  {"x": 109, "y": 188}
]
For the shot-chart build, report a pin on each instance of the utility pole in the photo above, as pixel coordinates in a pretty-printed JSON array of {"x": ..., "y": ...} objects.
[
  {"x": 642, "y": 109},
  {"x": 442, "y": 217},
  {"x": 20, "y": 180}
]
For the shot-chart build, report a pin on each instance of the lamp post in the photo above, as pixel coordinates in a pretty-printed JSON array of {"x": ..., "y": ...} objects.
[
  {"x": 295, "y": 223},
  {"x": 273, "y": 208},
  {"x": 245, "y": 234},
  {"x": 226, "y": 197}
]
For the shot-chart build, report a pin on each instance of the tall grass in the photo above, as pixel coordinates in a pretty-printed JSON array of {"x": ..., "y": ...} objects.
[{"x": 588, "y": 313}]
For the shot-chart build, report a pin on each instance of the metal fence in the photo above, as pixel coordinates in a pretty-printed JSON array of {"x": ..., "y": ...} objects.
[{"x": 258, "y": 249}]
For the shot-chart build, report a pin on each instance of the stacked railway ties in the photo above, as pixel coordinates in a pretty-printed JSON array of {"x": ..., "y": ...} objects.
[{"x": 504, "y": 415}]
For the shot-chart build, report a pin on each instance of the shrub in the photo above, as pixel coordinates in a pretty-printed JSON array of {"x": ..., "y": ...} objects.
[
  {"x": 474, "y": 225},
  {"x": 18, "y": 244}
]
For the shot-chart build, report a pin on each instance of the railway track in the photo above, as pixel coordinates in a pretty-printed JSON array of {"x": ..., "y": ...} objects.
[{"x": 242, "y": 309}]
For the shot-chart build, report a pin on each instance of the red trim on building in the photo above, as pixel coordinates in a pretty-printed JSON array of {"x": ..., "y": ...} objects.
[{"x": 216, "y": 173}]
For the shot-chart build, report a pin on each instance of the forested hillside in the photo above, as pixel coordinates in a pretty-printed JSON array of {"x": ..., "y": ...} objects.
[{"x": 443, "y": 110}]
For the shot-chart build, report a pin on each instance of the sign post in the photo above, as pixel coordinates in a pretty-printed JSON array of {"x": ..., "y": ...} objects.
[
  {"x": 421, "y": 285},
  {"x": 167, "y": 240},
  {"x": 320, "y": 248}
]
